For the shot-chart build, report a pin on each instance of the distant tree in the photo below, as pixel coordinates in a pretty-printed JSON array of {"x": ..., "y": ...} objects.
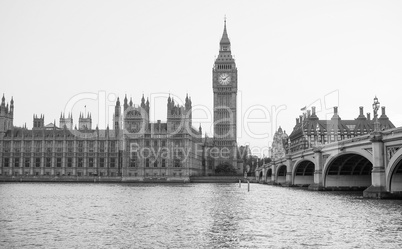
[{"x": 225, "y": 168}]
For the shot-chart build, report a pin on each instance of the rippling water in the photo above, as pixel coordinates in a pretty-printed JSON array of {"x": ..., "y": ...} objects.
[{"x": 57, "y": 215}]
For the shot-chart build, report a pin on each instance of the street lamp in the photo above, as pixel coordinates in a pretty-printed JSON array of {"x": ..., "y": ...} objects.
[{"x": 376, "y": 107}]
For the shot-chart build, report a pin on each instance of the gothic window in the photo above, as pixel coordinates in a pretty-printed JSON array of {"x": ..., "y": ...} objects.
[
  {"x": 80, "y": 162},
  {"x": 156, "y": 163},
  {"x": 27, "y": 146},
  {"x": 17, "y": 146},
  {"x": 133, "y": 159},
  {"x": 37, "y": 162},
  {"x": 38, "y": 146},
  {"x": 112, "y": 162},
  {"x": 177, "y": 163},
  {"x": 91, "y": 146},
  {"x": 58, "y": 162},
  {"x": 16, "y": 162},
  {"x": 7, "y": 146},
  {"x": 163, "y": 162},
  {"x": 112, "y": 146},
  {"x": 27, "y": 162},
  {"x": 210, "y": 163},
  {"x": 147, "y": 162},
  {"x": 69, "y": 162},
  {"x": 48, "y": 162},
  {"x": 101, "y": 146},
  {"x": 49, "y": 145},
  {"x": 70, "y": 146},
  {"x": 91, "y": 162},
  {"x": 80, "y": 146},
  {"x": 101, "y": 162},
  {"x": 59, "y": 146}
]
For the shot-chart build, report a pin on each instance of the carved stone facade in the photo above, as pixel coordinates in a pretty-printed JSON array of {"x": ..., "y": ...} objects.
[
  {"x": 224, "y": 84},
  {"x": 279, "y": 145},
  {"x": 135, "y": 149}
]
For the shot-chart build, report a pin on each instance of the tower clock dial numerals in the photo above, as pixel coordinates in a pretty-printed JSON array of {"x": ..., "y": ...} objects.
[{"x": 224, "y": 79}]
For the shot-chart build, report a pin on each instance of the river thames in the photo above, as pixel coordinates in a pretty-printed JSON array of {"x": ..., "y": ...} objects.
[{"x": 73, "y": 215}]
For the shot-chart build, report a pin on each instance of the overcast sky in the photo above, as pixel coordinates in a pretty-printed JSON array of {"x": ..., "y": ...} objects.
[{"x": 289, "y": 54}]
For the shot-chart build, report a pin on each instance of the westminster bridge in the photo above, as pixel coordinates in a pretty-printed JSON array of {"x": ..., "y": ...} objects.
[{"x": 372, "y": 162}]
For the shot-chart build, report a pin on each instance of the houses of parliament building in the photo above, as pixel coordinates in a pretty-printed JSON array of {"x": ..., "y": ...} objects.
[{"x": 134, "y": 148}]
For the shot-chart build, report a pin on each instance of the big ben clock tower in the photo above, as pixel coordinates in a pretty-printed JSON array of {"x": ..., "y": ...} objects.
[{"x": 224, "y": 84}]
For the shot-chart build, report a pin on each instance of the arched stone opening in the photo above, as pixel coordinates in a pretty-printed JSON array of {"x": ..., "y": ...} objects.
[
  {"x": 348, "y": 171},
  {"x": 304, "y": 173},
  {"x": 396, "y": 178},
  {"x": 268, "y": 177},
  {"x": 260, "y": 177},
  {"x": 281, "y": 175}
]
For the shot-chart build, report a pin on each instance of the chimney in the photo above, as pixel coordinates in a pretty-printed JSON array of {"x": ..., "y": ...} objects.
[
  {"x": 308, "y": 113},
  {"x": 361, "y": 115},
  {"x": 297, "y": 121},
  {"x": 383, "y": 115},
  {"x": 336, "y": 116},
  {"x": 368, "y": 116},
  {"x": 313, "y": 114}
]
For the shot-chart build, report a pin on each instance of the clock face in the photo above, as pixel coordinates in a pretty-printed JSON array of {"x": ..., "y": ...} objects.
[{"x": 224, "y": 79}]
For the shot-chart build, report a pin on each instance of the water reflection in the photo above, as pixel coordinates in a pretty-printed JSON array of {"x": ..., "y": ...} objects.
[
  {"x": 193, "y": 216},
  {"x": 227, "y": 211}
]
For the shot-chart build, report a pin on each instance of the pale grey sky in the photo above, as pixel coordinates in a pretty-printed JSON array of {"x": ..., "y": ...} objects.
[{"x": 289, "y": 54}]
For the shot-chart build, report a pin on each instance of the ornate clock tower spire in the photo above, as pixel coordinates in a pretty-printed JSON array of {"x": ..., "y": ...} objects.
[
  {"x": 224, "y": 84},
  {"x": 225, "y": 42}
]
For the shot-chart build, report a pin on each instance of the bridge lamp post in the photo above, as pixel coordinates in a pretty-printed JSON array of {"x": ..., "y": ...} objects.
[{"x": 376, "y": 106}]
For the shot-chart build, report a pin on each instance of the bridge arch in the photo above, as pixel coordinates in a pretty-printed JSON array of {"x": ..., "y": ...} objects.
[
  {"x": 394, "y": 173},
  {"x": 268, "y": 175},
  {"x": 303, "y": 173},
  {"x": 281, "y": 174},
  {"x": 260, "y": 176},
  {"x": 348, "y": 170}
]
